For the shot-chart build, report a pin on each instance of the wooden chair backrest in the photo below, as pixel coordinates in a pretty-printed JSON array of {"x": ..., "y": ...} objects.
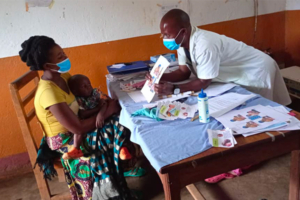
[{"x": 23, "y": 117}]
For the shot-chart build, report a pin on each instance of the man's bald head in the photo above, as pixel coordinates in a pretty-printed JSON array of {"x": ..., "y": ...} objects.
[
  {"x": 176, "y": 24},
  {"x": 176, "y": 17}
]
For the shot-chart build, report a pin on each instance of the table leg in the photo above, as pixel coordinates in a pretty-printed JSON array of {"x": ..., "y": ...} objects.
[
  {"x": 194, "y": 192},
  {"x": 171, "y": 188},
  {"x": 295, "y": 176}
]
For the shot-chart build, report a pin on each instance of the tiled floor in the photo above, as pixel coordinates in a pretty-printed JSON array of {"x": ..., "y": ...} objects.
[{"x": 269, "y": 180}]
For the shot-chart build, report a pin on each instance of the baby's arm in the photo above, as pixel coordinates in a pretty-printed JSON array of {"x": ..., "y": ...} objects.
[
  {"x": 111, "y": 107},
  {"x": 84, "y": 114},
  {"x": 101, "y": 115}
]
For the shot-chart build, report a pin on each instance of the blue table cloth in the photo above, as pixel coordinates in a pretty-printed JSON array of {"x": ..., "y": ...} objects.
[{"x": 167, "y": 142}]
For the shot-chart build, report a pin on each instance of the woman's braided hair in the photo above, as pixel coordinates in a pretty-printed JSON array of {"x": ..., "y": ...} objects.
[{"x": 35, "y": 51}]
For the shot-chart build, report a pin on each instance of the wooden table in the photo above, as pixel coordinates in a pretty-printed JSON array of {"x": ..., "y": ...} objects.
[{"x": 248, "y": 151}]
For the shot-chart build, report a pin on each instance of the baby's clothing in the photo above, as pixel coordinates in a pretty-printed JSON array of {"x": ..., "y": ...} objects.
[{"x": 87, "y": 103}]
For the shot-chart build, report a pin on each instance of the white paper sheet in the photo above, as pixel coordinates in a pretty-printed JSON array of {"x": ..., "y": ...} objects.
[
  {"x": 252, "y": 119},
  {"x": 214, "y": 89},
  {"x": 174, "y": 98},
  {"x": 218, "y": 88},
  {"x": 270, "y": 128},
  {"x": 221, "y": 138},
  {"x": 220, "y": 105},
  {"x": 279, "y": 109},
  {"x": 159, "y": 68},
  {"x": 137, "y": 96},
  {"x": 293, "y": 125},
  {"x": 117, "y": 66}
]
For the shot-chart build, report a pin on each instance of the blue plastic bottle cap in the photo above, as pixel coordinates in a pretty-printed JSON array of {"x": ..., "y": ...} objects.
[{"x": 202, "y": 94}]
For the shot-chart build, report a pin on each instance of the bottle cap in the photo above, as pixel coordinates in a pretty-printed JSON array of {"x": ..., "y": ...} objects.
[{"x": 202, "y": 94}]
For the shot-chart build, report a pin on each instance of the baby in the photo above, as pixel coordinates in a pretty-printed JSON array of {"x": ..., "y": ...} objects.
[{"x": 91, "y": 102}]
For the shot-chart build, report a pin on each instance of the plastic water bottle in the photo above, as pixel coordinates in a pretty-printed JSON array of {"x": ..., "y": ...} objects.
[{"x": 203, "y": 107}]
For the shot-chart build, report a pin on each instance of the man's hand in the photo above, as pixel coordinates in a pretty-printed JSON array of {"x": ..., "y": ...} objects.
[
  {"x": 148, "y": 76},
  {"x": 164, "y": 88}
]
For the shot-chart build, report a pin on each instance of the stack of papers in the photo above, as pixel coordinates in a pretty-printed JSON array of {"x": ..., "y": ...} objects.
[
  {"x": 257, "y": 119},
  {"x": 128, "y": 86},
  {"x": 128, "y": 67},
  {"x": 292, "y": 124},
  {"x": 222, "y": 104},
  {"x": 125, "y": 77},
  {"x": 213, "y": 90},
  {"x": 221, "y": 138},
  {"x": 216, "y": 89}
]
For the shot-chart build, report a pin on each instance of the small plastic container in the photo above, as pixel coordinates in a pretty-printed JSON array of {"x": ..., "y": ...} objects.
[{"x": 203, "y": 107}]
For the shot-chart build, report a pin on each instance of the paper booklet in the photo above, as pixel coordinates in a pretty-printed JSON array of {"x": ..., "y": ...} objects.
[{"x": 156, "y": 73}]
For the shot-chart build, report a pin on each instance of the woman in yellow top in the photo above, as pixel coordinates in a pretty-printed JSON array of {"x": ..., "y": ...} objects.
[{"x": 98, "y": 175}]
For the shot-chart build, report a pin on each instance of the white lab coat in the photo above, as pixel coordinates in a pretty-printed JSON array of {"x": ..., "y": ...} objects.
[{"x": 224, "y": 59}]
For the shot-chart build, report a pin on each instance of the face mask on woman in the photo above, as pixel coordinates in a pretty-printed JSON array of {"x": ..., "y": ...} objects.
[
  {"x": 171, "y": 43},
  {"x": 64, "y": 66}
]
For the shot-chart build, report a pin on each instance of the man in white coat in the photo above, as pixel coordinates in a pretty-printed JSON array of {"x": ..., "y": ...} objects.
[{"x": 216, "y": 58}]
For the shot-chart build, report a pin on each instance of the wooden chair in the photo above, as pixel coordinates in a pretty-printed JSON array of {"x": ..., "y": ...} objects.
[{"x": 24, "y": 120}]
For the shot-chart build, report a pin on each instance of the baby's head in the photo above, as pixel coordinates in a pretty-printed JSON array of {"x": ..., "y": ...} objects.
[{"x": 80, "y": 86}]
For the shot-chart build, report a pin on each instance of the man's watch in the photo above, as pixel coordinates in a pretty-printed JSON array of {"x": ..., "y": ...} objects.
[{"x": 176, "y": 90}]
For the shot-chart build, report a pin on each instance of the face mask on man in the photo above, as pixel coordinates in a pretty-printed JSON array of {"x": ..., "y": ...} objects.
[
  {"x": 171, "y": 43},
  {"x": 64, "y": 66}
]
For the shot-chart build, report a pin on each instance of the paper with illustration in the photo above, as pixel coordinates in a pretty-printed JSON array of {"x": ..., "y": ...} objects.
[
  {"x": 221, "y": 138},
  {"x": 252, "y": 119},
  {"x": 156, "y": 73},
  {"x": 291, "y": 125},
  {"x": 220, "y": 105},
  {"x": 173, "y": 110}
]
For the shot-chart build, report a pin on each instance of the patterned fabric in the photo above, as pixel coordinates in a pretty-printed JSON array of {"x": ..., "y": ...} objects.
[
  {"x": 86, "y": 103},
  {"x": 54, "y": 142},
  {"x": 79, "y": 178},
  {"x": 106, "y": 144},
  {"x": 87, "y": 177},
  {"x": 45, "y": 159}
]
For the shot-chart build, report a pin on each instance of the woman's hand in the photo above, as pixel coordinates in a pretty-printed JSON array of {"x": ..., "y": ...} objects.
[
  {"x": 70, "y": 121},
  {"x": 102, "y": 102},
  {"x": 115, "y": 106},
  {"x": 99, "y": 120}
]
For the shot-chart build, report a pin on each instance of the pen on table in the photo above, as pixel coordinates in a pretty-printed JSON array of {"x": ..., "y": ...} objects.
[{"x": 194, "y": 118}]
